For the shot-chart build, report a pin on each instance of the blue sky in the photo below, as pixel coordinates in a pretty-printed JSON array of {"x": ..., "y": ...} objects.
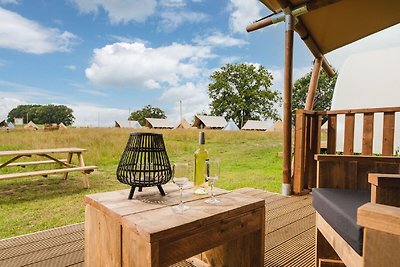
[{"x": 104, "y": 58}]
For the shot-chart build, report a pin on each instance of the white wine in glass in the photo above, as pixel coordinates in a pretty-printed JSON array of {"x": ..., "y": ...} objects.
[
  {"x": 212, "y": 169},
  {"x": 180, "y": 176}
]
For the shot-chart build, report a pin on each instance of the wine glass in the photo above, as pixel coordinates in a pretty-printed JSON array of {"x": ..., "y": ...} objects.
[
  {"x": 180, "y": 172},
  {"x": 211, "y": 175}
]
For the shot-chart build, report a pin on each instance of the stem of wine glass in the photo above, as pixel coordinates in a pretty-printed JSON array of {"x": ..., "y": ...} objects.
[
  {"x": 212, "y": 190},
  {"x": 181, "y": 202}
]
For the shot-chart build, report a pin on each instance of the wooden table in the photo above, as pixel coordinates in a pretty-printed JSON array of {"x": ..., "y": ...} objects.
[
  {"x": 49, "y": 154},
  {"x": 147, "y": 231}
]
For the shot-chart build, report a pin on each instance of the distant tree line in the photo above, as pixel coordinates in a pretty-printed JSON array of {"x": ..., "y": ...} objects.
[{"x": 42, "y": 114}]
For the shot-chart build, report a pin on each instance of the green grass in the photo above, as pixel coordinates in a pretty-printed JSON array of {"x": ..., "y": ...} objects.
[{"x": 248, "y": 159}]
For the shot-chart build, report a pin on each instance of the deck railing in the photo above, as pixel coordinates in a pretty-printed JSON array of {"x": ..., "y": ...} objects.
[{"x": 308, "y": 138}]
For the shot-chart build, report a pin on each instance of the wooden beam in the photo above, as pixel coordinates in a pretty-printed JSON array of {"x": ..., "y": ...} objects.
[
  {"x": 287, "y": 106},
  {"x": 313, "y": 84}
]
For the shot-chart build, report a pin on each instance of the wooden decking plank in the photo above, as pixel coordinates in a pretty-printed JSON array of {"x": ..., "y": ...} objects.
[
  {"x": 275, "y": 238},
  {"x": 287, "y": 209},
  {"x": 307, "y": 259},
  {"x": 290, "y": 250},
  {"x": 42, "y": 235},
  {"x": 281, "y": 221},
  {"x": 38, "y": 256},
  {"x": 74, "y": 258},
  {"x": 40, "y": 245}
]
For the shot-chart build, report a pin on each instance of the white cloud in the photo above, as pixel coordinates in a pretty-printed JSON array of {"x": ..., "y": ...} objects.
[
  {"x": 119, "y": 10},
  {"x": 93, "y": 92},
  {"x": 194, "y": 100},
  {"x": 88, "y": 114},
  {"x": 7, "y": 104},
  {"x": 170, "y": 20},
  {"x": 387, "y": 38},
  {"x": 19, "y": 33},
  {"x": 71, "y": 67},
  {"x": 243, "y": 13},
  {"x": 173, "y": 3},
  {"x": 229, "y": 60},
  {"x": 278, "y": 75},
  {"x": 9, "y": 2},
  {"x": 138, "y": 66},
  {"x": 219, "y": 39}
]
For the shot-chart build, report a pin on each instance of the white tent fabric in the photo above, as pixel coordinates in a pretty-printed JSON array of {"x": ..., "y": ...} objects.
[
  {"x": 231, "y": 126},
  {"x": 368, "y": 80}
]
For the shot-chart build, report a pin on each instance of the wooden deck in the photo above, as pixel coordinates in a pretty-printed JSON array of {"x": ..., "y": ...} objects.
[{"x": 290, "y": 230}]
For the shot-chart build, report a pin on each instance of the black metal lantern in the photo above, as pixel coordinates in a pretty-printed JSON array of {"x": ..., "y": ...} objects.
[{"x": 144, "y": 162}]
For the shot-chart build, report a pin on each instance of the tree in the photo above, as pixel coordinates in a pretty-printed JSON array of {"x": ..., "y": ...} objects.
[
  {"x": 323, "y": 94},
  {"x": 147, "y": 112},
  {"x": 242, "y": 92},
  {"x": 43, "y": 114}
]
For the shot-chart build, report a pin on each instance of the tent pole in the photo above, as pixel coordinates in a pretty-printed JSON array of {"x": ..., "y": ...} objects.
[
  {"x": 313, "y": 84},
  {"x": 287, "y": 107}
]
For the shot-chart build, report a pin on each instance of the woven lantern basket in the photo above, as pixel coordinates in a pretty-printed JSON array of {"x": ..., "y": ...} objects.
[{"x": 144, "y": 162}]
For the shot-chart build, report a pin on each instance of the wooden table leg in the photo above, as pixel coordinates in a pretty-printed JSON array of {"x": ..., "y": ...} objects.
[
  {"x": 69, "y": 159},
  {"x": 102, "y": 239},
  {"x": 82, "y": 164}
]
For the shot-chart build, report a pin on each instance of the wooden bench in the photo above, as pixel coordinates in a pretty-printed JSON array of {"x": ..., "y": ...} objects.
[
  {"x": 65, "y": 164},
  {"x": 349, "y": 177}
]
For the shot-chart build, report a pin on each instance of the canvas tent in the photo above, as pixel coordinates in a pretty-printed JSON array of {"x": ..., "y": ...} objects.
[
  {"x": 11, "y": 125},
  {"x": 231, "y": 126},
  {"x": 209, "y": 122},
  {"x": 323, "y": 25},
  {"x": 31, "y": 125},
  {"x": 253, "y": 125},
  {"x": 62, "y": 126},
  {"x": 377, "y": 86},
  {"x": 159, "y": 123},
  {"x": 127, "y": 124},
  {"x": 277, "y": 127},
  {"x": 183, "y": 125}
]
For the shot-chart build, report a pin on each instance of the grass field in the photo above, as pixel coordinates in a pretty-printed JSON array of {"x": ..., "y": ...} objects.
[{"x": 248, "y": 159}]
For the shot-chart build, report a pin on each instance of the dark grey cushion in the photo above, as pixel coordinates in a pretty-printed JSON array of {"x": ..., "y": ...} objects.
[{"x": 339, "y": 207}]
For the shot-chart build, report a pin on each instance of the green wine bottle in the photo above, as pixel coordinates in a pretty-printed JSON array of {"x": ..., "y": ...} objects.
[{"x": 200, "y": 157}]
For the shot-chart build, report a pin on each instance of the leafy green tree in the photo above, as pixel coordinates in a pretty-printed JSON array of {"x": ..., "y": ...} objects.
[
  {"x": 323, "y": 94},
  {"x": 242, "y": 92},
  {"x": 43, "y": 114},
  {"x": 147, "y": 112}
]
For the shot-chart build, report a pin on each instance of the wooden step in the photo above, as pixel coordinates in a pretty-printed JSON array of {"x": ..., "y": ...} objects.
[
  {"x": 85, "y": 169},
  {"x": 27, "y": 163},
  {"x": 330, "y": 263}
]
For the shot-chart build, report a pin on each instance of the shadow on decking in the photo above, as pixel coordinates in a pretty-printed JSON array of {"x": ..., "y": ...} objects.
[{"x": 289, "y": 241}]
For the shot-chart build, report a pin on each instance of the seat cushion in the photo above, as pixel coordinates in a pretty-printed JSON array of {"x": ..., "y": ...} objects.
[{"x": 339, "y": 207}]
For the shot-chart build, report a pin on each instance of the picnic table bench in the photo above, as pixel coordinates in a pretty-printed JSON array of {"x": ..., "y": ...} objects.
[{"x": 65, "y": 164}]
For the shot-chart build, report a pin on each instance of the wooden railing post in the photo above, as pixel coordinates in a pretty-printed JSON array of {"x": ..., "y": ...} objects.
[{"x": 299, "y": 152}]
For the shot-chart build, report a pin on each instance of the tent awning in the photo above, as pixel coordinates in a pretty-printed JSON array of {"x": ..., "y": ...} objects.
[{"x": 342, "y": 22}]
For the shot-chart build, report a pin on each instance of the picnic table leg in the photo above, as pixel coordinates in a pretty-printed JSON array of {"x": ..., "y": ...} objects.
[
  {"x": 82, "y": 164},
  {"x": 69, "y": 159}
]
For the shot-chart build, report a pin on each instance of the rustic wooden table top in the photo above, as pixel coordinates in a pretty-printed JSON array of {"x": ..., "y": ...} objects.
[
  {"x": 41, "y": 151},
  {"x": 153, "y": 217}
]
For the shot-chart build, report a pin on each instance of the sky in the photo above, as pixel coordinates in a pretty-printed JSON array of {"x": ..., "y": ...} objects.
[{"x": 107, "y": 58}]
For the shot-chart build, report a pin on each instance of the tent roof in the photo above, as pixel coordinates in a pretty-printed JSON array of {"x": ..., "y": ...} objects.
[
  {"x": 159, "y": 123},
  {"x": 31, "y": 124},
  {"x": 255, "y": 125},
  {"x": 345, "y": 21},
  {"x": 128, "y": 124},
  {"x": 183, "y": 125},
  {"x": 231, "y": 126},
  {"x": 210, "y": 121},
  {"x": 277, "y": 127}
]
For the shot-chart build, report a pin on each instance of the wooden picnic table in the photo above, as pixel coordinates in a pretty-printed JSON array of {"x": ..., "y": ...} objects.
[
  {"x": 146, "y": 231},
  {"x": 51, "y": 155}
]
